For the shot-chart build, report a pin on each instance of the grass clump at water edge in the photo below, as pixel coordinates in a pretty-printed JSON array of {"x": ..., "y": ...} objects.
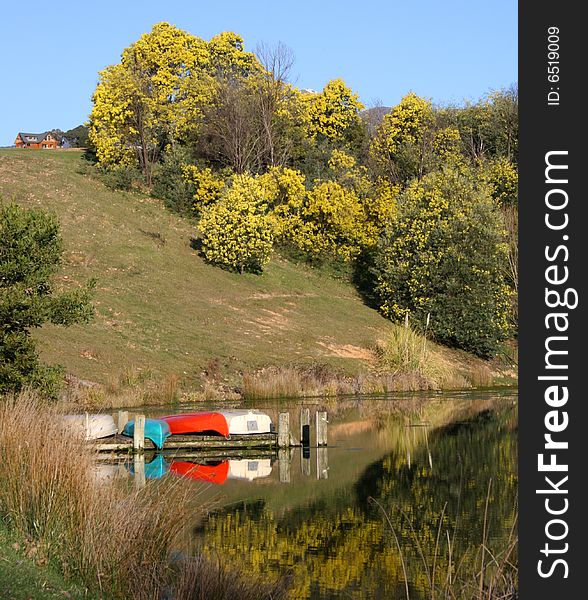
[{"x": 114, "y": 539}]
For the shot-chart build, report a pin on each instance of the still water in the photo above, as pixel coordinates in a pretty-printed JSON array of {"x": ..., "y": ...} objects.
[{"x": 403, "y": 497}]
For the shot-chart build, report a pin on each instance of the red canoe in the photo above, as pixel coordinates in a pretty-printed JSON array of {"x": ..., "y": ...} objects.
[
  {"x": 198, "y": 423},
  {"x": 225, "y": 422},
  {"x": 210, "y": 473}
]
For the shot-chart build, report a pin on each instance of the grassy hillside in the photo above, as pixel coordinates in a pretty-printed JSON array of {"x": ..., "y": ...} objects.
[{"x": 160, "y": 307}]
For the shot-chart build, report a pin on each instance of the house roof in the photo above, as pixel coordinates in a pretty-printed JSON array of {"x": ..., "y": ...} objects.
[{"x": 33, "y": 137}]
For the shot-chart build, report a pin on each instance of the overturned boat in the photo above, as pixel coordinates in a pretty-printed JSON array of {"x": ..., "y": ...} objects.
[
  {"x": 219, "y": 472},
  {"x": 156, "y": 430},
  {"x": 90, "y": 426},
  {"x": 223, "y": 422}
]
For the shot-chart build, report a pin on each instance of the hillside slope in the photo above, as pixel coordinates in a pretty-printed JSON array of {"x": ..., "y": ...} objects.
[
  {"x": 161, "y": 310},
  {"x": 159, "y": 305}
]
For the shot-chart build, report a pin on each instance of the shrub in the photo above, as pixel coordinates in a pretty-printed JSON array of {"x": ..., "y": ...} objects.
[
  {"x": 445, "y": 256},
  {"x": 285, "y": 192},
  {"x": 169, "y": 182},
  {"x": 237, "y": 232},
  {"x": 332, "y": 222},
  {"x": 205, "y": 185},
  {"x": 122, "y": 177}
]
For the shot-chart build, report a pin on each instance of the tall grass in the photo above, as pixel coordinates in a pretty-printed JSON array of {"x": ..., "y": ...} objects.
[
  {"x": 114, "y": 538},
  {"x": 405, "y": 351}
]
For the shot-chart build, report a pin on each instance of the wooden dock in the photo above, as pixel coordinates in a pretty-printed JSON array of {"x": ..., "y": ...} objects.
[
  {"x": 122, "y": 443},
  {"x": 281, "y": 439}
]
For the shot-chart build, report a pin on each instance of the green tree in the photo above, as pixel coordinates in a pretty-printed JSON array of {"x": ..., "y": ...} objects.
[
  {"x": 30, "y": 255},
  {"x": 445, "y": 255},
  {"x": 237, "y": 232}
]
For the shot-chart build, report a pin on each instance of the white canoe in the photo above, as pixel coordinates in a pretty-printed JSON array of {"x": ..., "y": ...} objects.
[
  {"x": 90, "y": 427},
  {"x": 250, "y": 469},
  {"x": 247, "y": 421}
]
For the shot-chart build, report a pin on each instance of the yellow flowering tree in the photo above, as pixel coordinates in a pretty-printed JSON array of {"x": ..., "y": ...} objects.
[
  {"x": 376, "y": 196},
  {"x": 333, "y": 111},
  {"x": 285, "y": 191},
  {"x": 207, "y": 185},
  {"x": 403, "y": 140},
  {"x": 148, "y": 98},
  {"x": 444, "y": 256},
  {"x": 503, "y": 178},
  {"x": 156, "y": 94},
  {"x": 332, "y": 222},
  {"x": 237, "y": 232}
]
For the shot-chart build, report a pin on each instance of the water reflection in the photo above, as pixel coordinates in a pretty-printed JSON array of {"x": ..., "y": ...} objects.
[
  {"x": 337, "y": 530},
  {"x": 404, "y": 495},
  {"x": 217, "y": 472}
]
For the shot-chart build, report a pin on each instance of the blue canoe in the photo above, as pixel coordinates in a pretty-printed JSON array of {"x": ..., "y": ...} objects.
[
  {"x": 155, "y": 430},
  {"x": 155, "y": 469}
]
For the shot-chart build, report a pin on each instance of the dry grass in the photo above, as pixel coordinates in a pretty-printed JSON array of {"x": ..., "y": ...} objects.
[
  {"x": 319, "y": 380},
  {"x": 110, "y": 537},
  {"x": 198, "y": 581},
  {"x": 295, "y": 381},
  {"x": 407, "y": 361},
  {"x": 132, "y": 388}
]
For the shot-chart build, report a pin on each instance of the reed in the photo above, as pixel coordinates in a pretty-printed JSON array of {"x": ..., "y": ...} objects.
[{"x": 115, "y": 539}]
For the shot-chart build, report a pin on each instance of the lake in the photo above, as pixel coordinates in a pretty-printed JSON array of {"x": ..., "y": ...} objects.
[{"x": 397, "y": 505}]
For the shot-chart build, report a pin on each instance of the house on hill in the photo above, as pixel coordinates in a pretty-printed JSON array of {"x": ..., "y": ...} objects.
[{"x": 45, "y": 140}]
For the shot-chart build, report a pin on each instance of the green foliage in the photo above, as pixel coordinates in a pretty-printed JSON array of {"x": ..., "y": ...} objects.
[
  {"x": 78, "y": 136},
  {"x": 121, "y": 177},
  {"x": 489, "y": 128},
  {"x": 445, "y": 256},
  {"x": 30, "y": 255},
  {"x": 169, "y": 182},
  {"x": 236, "y": 231}
]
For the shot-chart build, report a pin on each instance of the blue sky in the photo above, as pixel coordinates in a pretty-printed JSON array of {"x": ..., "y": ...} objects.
[{"x": 51, "y": 52}]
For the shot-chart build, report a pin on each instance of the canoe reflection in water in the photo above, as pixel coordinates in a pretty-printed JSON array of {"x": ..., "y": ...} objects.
[{"x": 217, "y": 472}]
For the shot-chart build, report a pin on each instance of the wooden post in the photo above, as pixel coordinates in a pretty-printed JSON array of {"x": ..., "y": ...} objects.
[
  {"x": 285, "y": 461},
  {"x": 122, "y": 420},
  {"x": 284, "y": 430},
  {"x": 139, "y": 434},
  {"x": 305, "y": 461},
  {"x": 321, "y": 428},
  {"x": 139, "y": 469},
  {"x": 322, "y": 463},
  {"x": 305, "y": 426}
]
